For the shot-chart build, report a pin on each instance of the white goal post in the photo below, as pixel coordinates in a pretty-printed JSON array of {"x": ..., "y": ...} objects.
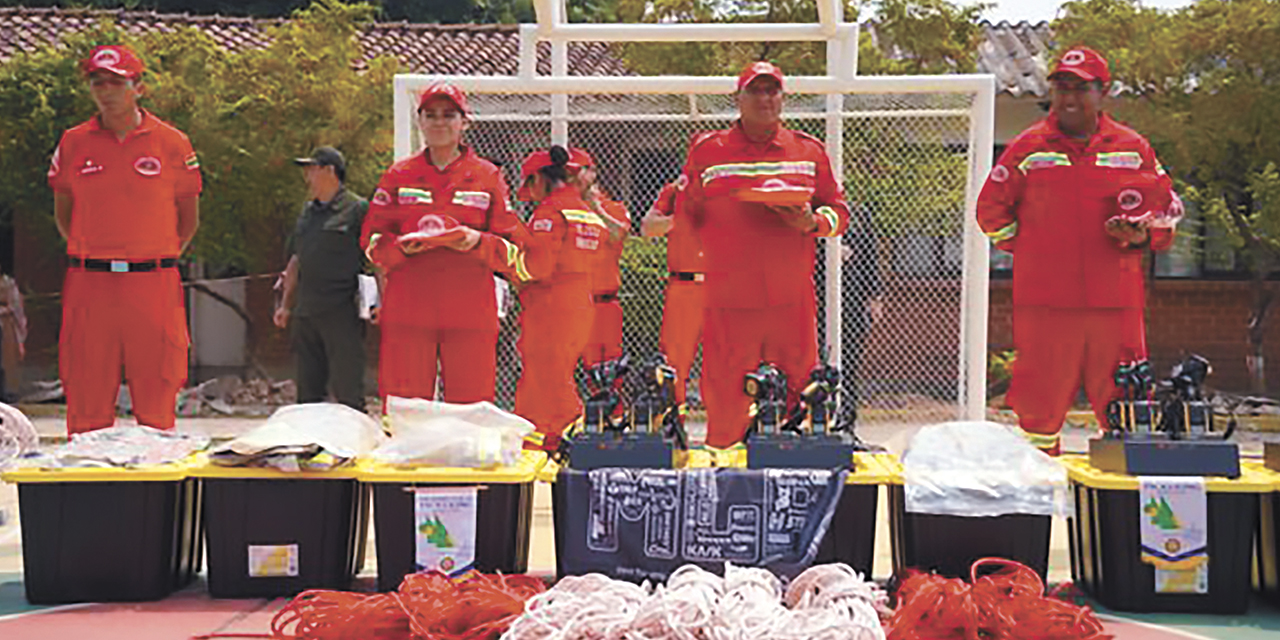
[{"x": 940, "y": 125}]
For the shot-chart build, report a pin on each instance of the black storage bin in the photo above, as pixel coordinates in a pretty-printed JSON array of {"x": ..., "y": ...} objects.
[
  {"x": 851, "y": 538},
  {"x": 949, "y": 545},
  {"x": 316, "y": 528},
  {"x": 99, "y": 540},
  {"x": 1105, "y": 534}
]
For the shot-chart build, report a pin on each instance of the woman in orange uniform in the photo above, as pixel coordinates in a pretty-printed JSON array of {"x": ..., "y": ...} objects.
[
  {"x": 439, "y": 315},
  {"x": 565, "y": 239},
  {"x": 605, "y": 342}
]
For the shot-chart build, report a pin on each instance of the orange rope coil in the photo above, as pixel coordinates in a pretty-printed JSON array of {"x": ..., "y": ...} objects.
[
  {"x": 1008, "y": 604},
  {"x": 428, "y": 606}
]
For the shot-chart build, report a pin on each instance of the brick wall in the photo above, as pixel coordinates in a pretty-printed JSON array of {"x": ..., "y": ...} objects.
[{"x": 1183, "y": 316}]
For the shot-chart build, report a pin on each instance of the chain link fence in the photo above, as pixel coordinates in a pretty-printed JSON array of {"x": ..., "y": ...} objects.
[{"x": 906, "y": 164}]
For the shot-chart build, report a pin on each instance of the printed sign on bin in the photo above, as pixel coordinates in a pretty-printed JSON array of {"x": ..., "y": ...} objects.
[
  {"x": 273, "y": 561},
  {"x": 445, "y": 529}
]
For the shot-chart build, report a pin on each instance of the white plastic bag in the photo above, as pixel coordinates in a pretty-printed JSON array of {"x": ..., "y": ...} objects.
[
  {"x": 478, "y": 435},
  {"x": 980, "y": 469}
]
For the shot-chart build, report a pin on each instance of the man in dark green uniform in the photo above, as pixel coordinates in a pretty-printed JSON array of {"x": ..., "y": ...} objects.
[{"x": 320, "y": 285}]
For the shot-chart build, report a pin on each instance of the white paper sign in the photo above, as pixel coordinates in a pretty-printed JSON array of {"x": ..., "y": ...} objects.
[
  {"x": 367, "y": 296},
  {"x": 444, "y": 521}
]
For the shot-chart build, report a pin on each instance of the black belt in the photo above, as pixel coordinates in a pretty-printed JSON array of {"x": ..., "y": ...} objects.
[
  {"x": 122, "y": 266},
  {"x": 606, "y": 297},
  {"x": 688, "y": 276}
]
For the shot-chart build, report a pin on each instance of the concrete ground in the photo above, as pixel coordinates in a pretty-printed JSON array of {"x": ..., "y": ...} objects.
[{"x": 199, "y": 614}]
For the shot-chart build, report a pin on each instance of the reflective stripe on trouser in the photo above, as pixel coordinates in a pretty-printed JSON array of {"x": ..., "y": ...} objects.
[
  {"x": 555, "y": 326},
  {"x": 410, "y": 358},
  {"x": 734, "y": 343},
  {"x": 135, "y": 322},
  {"x": 606, "y": 334},
  {"x": 682, "y": 329},
  {"x": 1058, "y": 349}
]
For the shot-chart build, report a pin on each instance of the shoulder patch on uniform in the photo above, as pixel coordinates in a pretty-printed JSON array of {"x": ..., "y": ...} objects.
[
  {"x": 53, "y": 162},
  {"x": 682, "y": 181},
  {"x": 192, "y": 162},
  {"x": 381, "y": 197},
  {"x": 999, "y": 173}
]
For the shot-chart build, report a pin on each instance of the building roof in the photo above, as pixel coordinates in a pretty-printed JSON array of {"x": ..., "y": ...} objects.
[
  {"x": 440, "y": 49},
  {"x": 1014, "y": 53},
  {"x": 1017, "y": 55}
]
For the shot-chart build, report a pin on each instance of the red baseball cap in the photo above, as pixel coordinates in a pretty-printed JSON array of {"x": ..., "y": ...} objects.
[
  {"x": 117, "y": 59},
  {"x": 449, "y": 91},
  {"x": 580, "y": 158},
  {"x": 1083, "y": 63},
  {"x": 757, "y": 69}
]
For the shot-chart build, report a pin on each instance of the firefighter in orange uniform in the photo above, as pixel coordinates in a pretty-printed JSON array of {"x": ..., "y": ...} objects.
[
  {"x": 605, "y": 342},
  {"x": 683, "y": 308},
  {"x": 758, "y": 194},
  {"x": 1077, "y": 197},
  {"x": 126, "y": 191},
  {"x": 566, "y": 238},
  {"x": 439, "y": 313}
]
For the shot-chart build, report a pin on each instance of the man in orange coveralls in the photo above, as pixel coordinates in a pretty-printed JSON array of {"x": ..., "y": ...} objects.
[
  {"x": 759, "y": 248},
  {"x": 439, "y": 303},
  {"x": 126, "y": 189},
  {"x": 683, "y": 308},
  {"x": 1077, "y": 197},
  {"x": 565, "y": 240},
  {"x": 605, "y": 342}
]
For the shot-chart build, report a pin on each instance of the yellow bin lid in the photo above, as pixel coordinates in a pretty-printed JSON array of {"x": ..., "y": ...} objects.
[
  {"x": 170, "y": 472},
  {"x": 201, "y": 467},
  {"x": 1251, "y": 480}
]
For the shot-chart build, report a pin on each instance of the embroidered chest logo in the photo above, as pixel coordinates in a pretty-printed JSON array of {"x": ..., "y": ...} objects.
[
  {"x": 1129, "y": 199},
  {"x": 381, "y": 197},
  {"x": 90, "y": 167},
  {"x": 1000, "y": 173},
  {"x": 542, "y": 224},
  {"x": 411, "y": 196},
  {"x": 147, "y": 166},
  {"x": 431, "y": 224}
]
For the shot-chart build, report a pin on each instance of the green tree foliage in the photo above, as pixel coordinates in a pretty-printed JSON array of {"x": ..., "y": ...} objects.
[
  {"x": 1203, "y": 83},
  {"x": 912, "y": 36},
  {"x": 248, "y": 115}
]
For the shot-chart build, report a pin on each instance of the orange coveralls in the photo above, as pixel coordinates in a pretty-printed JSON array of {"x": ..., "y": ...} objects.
[
  {"x": 566, "y": 239},
  {"x": 683, "y": 308},
  {"x": 121, "y": 306},
  {"x": 606, "y": 331},
  {"x": 1078, "y": 295},
  {"x": 440, "y": 304},
  {"x": 760, "y": 301}
]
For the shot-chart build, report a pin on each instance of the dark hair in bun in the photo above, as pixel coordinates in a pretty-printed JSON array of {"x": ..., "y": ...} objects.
[{"x": 556, "y": 171}]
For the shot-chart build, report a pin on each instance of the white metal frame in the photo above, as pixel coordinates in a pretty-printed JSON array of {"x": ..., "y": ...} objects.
[{"x": 842, "y": 61}]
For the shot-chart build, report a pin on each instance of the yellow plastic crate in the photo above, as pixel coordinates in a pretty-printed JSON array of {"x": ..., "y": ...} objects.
[
  {"x": 202, "y": 467},
  {"x": 525, "y": 470},
  {"x": 1253, "y": 478},
  {"x": 170, "y": 472}
]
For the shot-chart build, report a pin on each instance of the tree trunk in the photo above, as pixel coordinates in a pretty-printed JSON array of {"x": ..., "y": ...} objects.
[{"x": 1263, "y": 297}]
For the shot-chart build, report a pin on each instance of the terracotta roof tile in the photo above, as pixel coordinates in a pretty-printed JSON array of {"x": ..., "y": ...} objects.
[
  {"x": 422, "y": 48},
  {"x": 1015, "y": 53}
]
